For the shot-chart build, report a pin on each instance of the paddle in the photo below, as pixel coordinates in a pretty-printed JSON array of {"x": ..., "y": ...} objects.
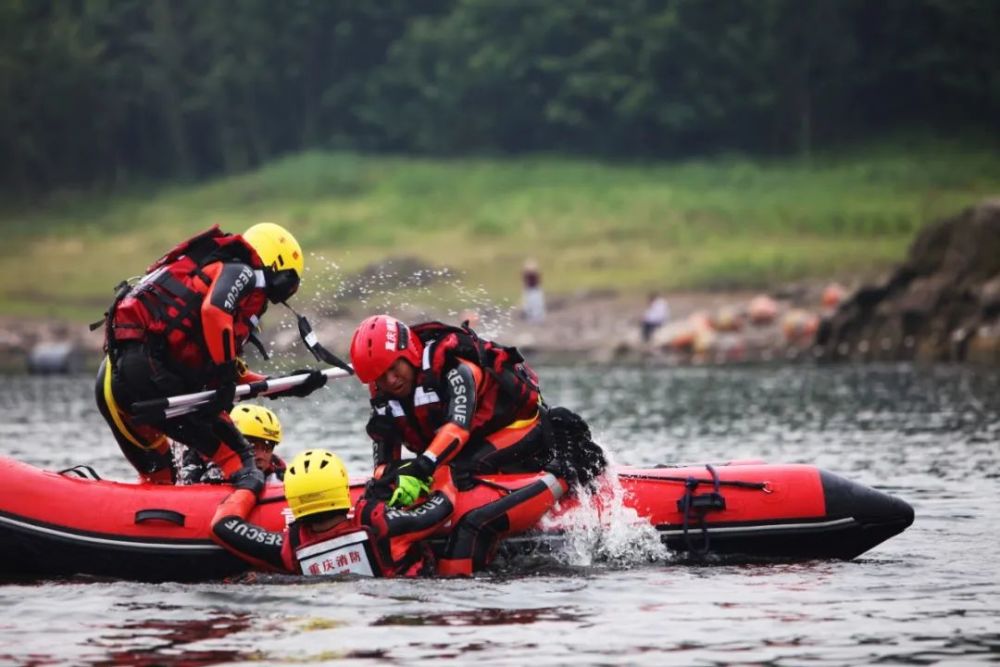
[{"x": 175, "y": 406}]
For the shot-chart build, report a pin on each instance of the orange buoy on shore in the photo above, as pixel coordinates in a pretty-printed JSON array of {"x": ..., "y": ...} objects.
[
  {"x": 727, "y": 318},
  {"x": 704, "y": 341},
  {"x": 762, "y": 309},
  {"x": 799, "y": 325},
  {"x": 682, "y": 340},
  {"x": 833, "y": 295},
  {"x": 694, "y": 327}
]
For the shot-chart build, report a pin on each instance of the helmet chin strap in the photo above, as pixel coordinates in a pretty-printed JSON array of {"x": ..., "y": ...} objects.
[{"x": 313, "y": 344}]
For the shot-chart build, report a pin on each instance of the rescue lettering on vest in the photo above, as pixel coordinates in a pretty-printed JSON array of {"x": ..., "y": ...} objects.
[
  {"x": 246, "y": 275},
  {"x": 458, "y": 394},
  {"x": 341, "y": 555}
]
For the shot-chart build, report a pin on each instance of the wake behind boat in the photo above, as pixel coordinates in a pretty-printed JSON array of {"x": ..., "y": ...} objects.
[{"x": 66, "y": 523}]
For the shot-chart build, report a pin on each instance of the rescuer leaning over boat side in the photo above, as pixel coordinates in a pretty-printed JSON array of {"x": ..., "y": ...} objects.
[
  {"x": 460, "y": 401},
  {"x": 327, "y": 537},
  {"x": 181, "y": 329}
]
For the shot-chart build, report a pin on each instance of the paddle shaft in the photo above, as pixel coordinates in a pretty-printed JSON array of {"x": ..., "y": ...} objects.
[{"x": 182, "y": 404}]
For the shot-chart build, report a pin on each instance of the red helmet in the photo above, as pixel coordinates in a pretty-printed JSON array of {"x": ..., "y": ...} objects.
[{"x": 378, "y": 342}]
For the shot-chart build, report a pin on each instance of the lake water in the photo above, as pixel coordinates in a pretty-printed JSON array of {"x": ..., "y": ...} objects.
[{"x": 928, "y": 596}]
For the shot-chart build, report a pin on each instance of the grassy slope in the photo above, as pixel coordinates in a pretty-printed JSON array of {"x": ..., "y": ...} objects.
[{"x": 712, "y": 223}]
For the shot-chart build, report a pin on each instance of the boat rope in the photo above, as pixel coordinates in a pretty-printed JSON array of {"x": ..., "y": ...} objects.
[
  {"x": 695, "y": 507},
  {"x": 84, "y": 471},
  {"x": 758, "y": 486}
]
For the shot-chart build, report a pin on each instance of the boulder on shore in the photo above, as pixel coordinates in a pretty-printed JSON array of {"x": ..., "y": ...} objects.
[{"x": 941, "y": 304}]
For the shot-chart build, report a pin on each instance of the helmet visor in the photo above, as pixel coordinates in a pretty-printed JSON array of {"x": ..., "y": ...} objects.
[{"x": 281, "y": 285}]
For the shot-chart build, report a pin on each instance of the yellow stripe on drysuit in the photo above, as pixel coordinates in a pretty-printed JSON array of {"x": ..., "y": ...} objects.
[
  {"x": 522, "y": 423},
  {"x": 116, "y": 412}
]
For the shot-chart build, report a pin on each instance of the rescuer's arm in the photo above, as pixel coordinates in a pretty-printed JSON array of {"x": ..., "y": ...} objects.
[
  {"x": 387, "y": 441},
  {"x": 231, "y": 283},
  {"x": 247, "y": 376},
  {"x": 462, "y": 384},
  {"x": 413, "y": 476},
  {"x": 231, "y": 530}
]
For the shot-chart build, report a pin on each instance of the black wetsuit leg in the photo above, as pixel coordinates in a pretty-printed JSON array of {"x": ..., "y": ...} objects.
[
  {"x": 474, "y": 538},
  {"x": 152, "y": 461}
]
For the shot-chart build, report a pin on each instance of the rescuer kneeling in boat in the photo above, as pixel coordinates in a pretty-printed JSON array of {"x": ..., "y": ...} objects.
[
  {"x": 261, "y": 428},
  {"x": 453, "y": 398},
  {"x": 374, "y": 539},
  {"x": 182, "y": 329}
]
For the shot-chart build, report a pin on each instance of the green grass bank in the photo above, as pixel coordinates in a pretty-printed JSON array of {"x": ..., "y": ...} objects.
[{"x": 715, "y": 223}]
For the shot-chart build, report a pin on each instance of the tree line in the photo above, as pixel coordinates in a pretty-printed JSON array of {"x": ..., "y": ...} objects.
[{"x": 108, "y": 92}]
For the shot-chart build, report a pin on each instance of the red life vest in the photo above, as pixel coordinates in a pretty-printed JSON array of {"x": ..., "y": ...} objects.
[
  {"x": 166, "y": 303},
  {"x": 509, "y": 390}
]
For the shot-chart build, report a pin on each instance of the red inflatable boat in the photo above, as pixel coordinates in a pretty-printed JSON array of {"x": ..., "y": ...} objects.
[{"x": 66, "y": 523}]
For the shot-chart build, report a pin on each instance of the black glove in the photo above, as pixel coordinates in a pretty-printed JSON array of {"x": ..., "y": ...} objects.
[
  {"x": 379, "y": 489},
  {"x": 249, "y": 478},
  {"x": 413, "y": 480},
  {"x": 315, "y": 380},
  {"x": 421, "y": 467},
  {"x": 382, "y": 488},
  {"x": 222, "y": 401},
  {"x": 225, "y": 396}
]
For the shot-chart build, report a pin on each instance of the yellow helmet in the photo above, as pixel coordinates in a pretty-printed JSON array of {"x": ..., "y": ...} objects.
[
  {"x": 256, "y": 421},
  {"x": 282, "y": 257},
  {"x": 316, "y": 481}
]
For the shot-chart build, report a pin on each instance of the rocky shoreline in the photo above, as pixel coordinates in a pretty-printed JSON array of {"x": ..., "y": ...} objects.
[
  {"x": 941, "y": 304},
  {"x": 705, "y": 327}
]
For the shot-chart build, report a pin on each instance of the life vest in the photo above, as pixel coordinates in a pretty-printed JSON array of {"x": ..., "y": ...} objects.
[
  {"x": 357, "y": 548},
  {"x": 165, "y": 305},
  {"x": 346, "y": 550},
  {"x": 509, "y": 391}
]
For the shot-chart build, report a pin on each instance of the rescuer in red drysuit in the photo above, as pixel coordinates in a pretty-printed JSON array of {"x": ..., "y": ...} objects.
[
  {"x": 374, "y": 539},
  {"x": 181, "y": 329},
  {"x": 457, "y": 400}
]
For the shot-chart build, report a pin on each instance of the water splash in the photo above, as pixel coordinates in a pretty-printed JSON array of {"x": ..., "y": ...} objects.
[
  {"x": 403, "y": 286},
  {"x": 602, "y": 529}
]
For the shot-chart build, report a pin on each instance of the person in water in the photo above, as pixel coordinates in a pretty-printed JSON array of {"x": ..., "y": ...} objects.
[
  {"x": 453, "y": 398},
  {"x": 261, "y": 428},
  {"x": 327, "y": 537},
  {"x": 181, "y": 329}
]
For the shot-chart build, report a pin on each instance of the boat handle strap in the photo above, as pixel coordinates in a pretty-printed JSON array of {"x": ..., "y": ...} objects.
[{"x": 170, "y": 516}]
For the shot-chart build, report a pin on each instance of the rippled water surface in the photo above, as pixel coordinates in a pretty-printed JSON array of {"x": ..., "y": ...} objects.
[{"x": 930, "y": 595}]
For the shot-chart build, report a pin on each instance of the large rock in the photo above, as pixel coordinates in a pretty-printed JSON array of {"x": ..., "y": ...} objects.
[{"x": 942, "y": 304}]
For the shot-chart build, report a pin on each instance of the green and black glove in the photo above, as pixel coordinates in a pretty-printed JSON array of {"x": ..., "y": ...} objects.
[{"x": 413, "y": 479}]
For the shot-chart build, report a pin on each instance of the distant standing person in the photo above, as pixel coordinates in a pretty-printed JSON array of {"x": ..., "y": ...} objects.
[
  {"x": 655, "y": 316},
  {"x": 533, "y": 302}
]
